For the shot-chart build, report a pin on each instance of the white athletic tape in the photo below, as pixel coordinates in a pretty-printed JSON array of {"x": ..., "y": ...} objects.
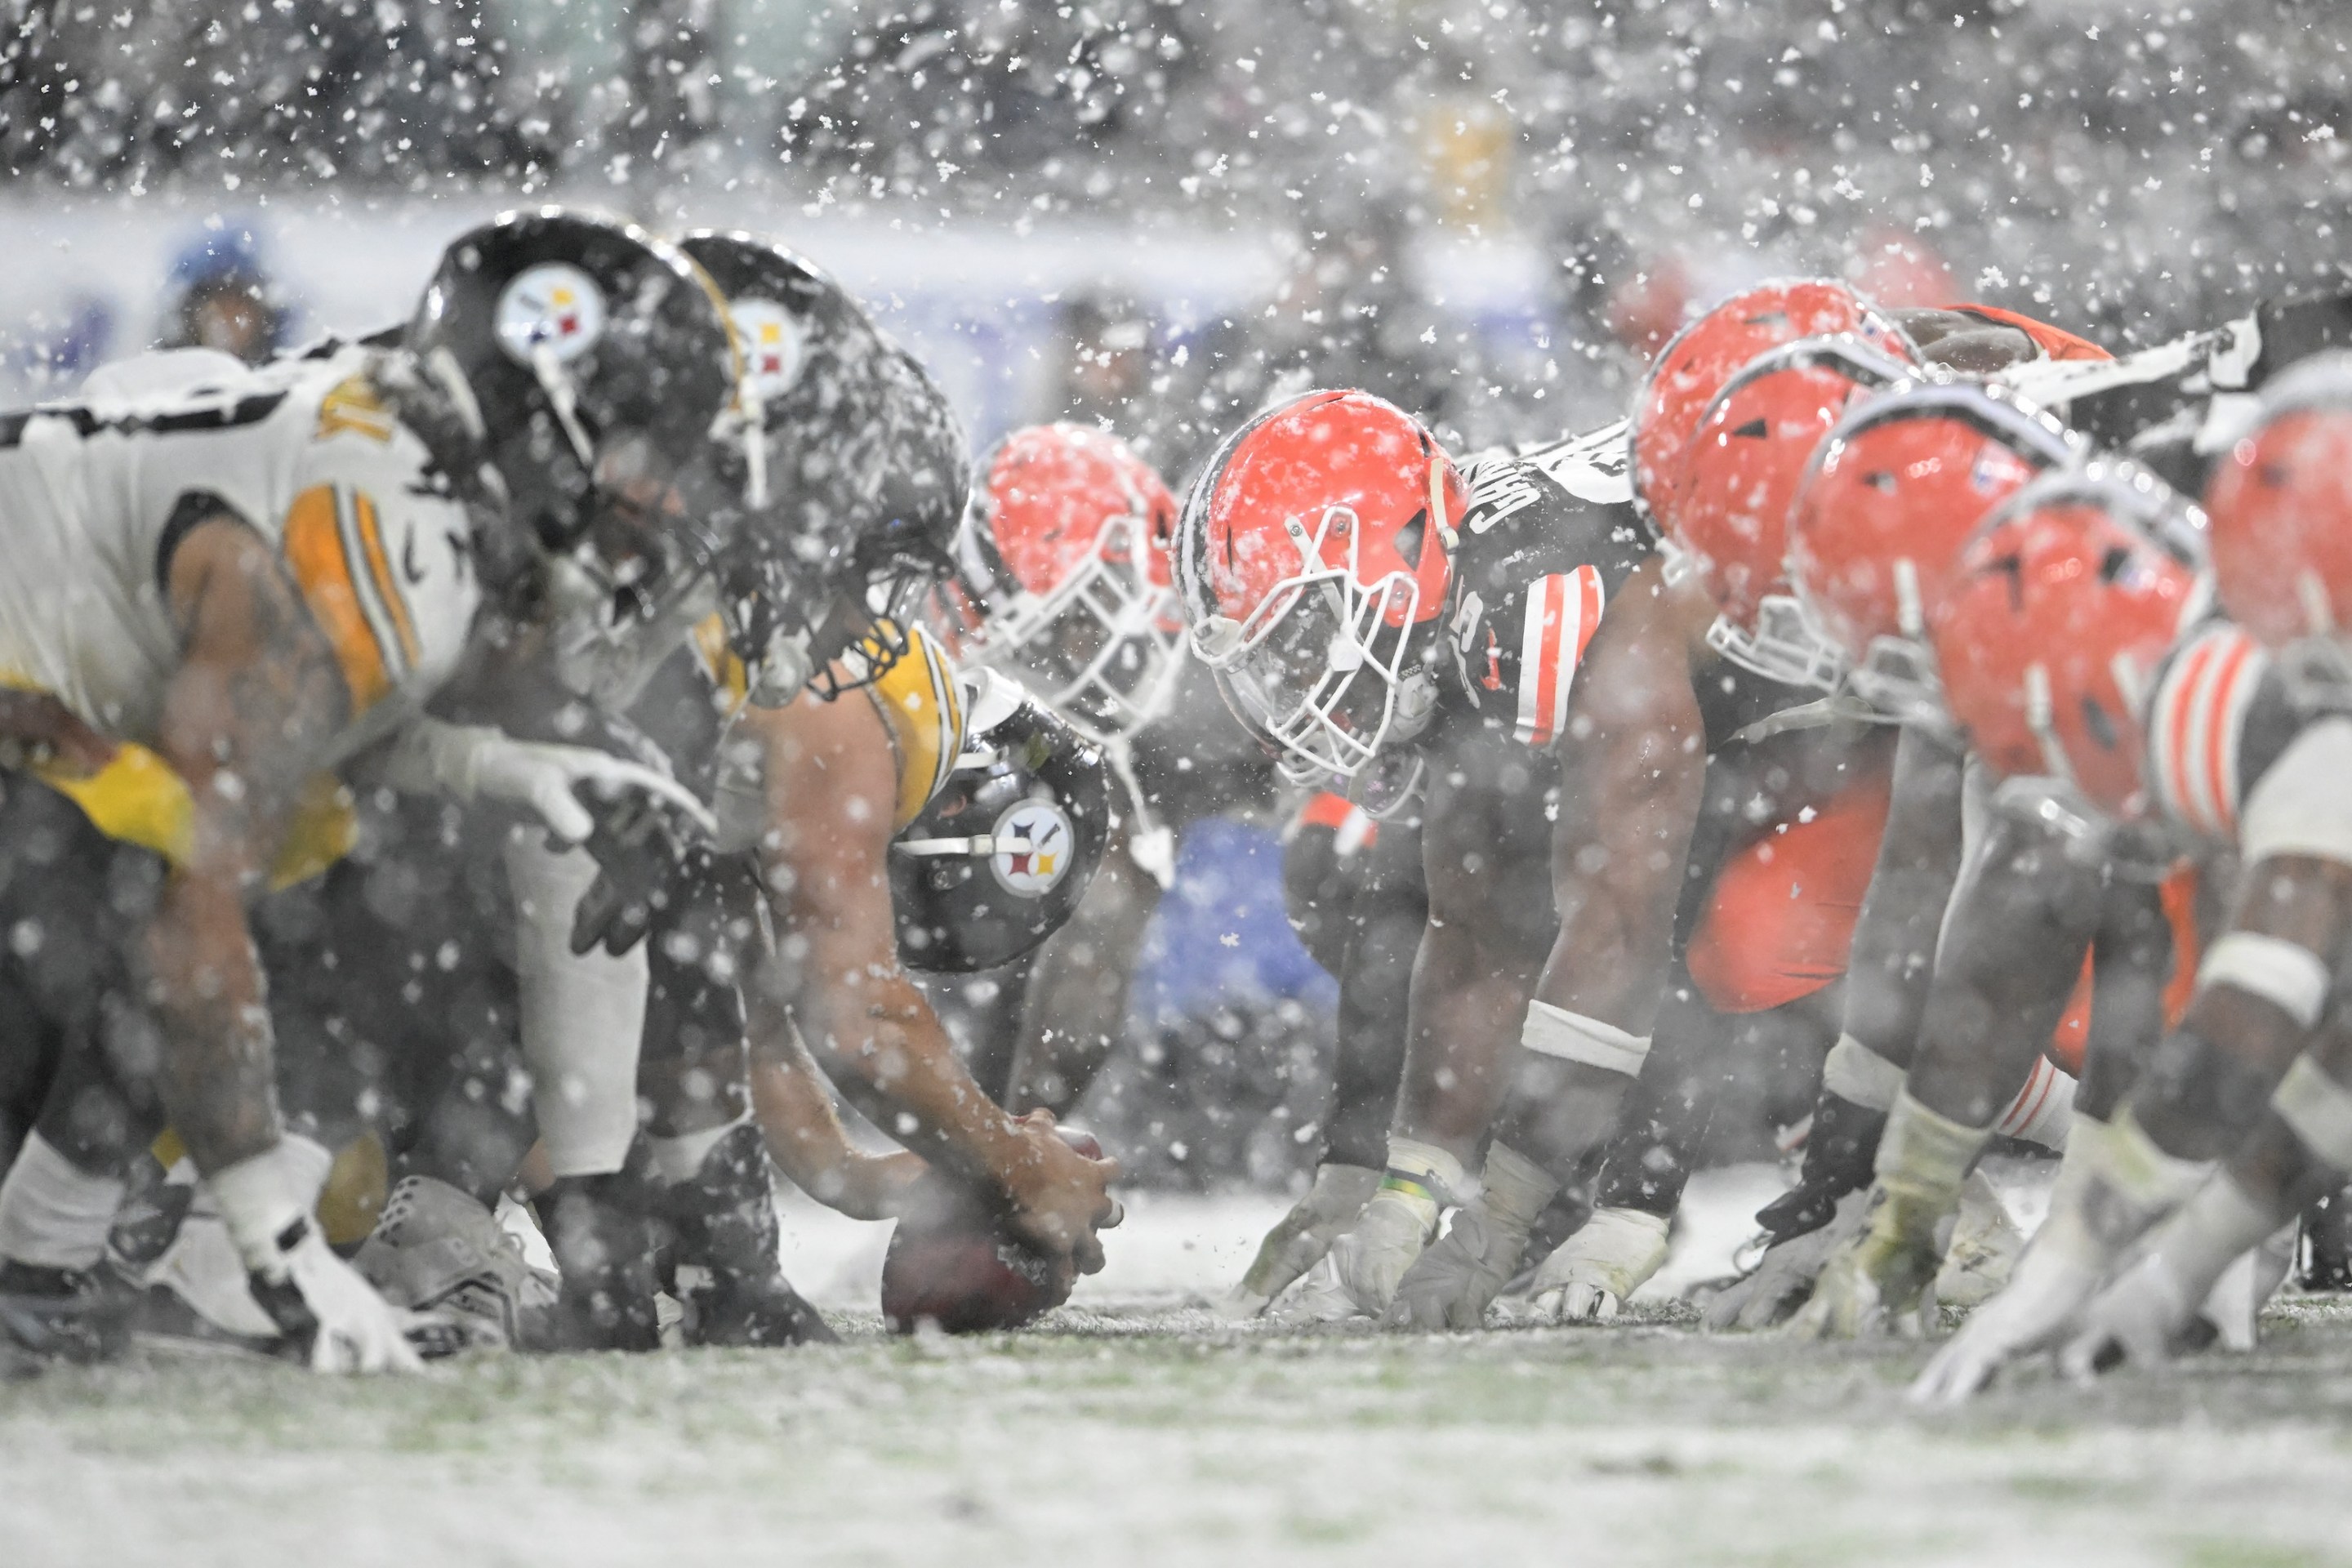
[
  {"x": 582, "y": 1015},
  {"x": 2319, "y": 1108},
  {"x": 54, "y": 1213},
  {"x": 1854, "y": 1072},
  {"x": 2301, "y": 806},
  {"x": 2284, "y": 974},
  {"x": 1572, "y": 1038}
]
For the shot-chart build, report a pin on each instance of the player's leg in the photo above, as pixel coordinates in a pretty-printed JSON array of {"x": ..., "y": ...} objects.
[
  {"x": 82, "y": 1060},
  {"x": 2021, "y": 921},
  {"x": 1361, "y": 914},
  {"x": 710, "y": 1184}
]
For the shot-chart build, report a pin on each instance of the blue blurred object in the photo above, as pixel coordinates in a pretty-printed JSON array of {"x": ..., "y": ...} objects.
[
  {"x": 230, "y": 254},
  {"x": 226, "y": 257},
  {"x": 1220, "y": 935},
  {"x": 78, "y": 343}
]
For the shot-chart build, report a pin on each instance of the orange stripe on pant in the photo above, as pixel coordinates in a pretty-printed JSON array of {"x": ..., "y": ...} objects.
[{"x": 1784, "y": 908}]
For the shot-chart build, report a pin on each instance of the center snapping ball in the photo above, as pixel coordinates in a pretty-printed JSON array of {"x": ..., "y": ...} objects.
[{"x": 954, "y": 1262}]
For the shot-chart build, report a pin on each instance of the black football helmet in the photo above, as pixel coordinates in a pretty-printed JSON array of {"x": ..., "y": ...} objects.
[
  {"x": 596, "y": 370},
  {"x": 867, "y": 469},
  {"x": 998, "y": 859}
]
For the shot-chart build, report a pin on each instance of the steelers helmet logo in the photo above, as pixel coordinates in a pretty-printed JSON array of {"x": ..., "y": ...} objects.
[
  {"x": 1033, "y": 847},
  {"x": 554, "y": 305},
  {"x": 773, "y": 346}
]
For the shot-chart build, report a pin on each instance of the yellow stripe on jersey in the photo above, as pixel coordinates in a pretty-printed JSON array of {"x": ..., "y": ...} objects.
[
  {"x": 321, "y": 566},
  {"x": 922, "y": 711},
  {"x": 721, "y": 664},
  {"x": 379, "y": 568}
]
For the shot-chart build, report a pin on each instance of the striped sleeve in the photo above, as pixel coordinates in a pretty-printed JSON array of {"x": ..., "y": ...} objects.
[
  {"x": 922, "y": 711},
  {"x": 334, "y": 545},
  {"x": 2197, "y": 729},
  {"x": 1558, "y": 616}
]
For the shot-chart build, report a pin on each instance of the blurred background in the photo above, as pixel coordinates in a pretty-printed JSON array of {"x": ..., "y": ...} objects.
[{"x": 1157, "y": 214}]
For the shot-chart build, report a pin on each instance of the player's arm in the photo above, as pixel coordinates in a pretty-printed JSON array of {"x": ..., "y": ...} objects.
[
  {"x": 805, "y": 1137},
  {"x": 249, "y": 714},
  {"x": 830, "y": 782},
  {"x": 246, "y": 718},
  {"x": 1632, "y": 771}
]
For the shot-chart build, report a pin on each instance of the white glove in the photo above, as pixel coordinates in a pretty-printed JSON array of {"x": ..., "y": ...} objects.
[
  {"x": 1452, "y": 1283},
  {"x": 470, "y": 761},
  {"x": 1357, "y": 1277},
  {"x": 2137, "y": 1319},
  {"x": 2218, "y": 1236},
  {"x": 1985, "y": 1247},
  {"x": 1300, "y": 1239},
  {"x": 2112, "y": 1185},
  {"x": 1588, "y": 1278},
  {"x": 1783, "y": 1278},
  {"x": 306, "y": 1290}
]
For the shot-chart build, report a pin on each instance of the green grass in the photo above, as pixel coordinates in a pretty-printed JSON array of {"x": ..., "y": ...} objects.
[{"x": 1650, "y": 1443}]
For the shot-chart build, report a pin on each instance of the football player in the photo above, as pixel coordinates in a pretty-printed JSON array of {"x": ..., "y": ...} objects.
[
  {"x": 2239, "y": 736},
  {"x": 1359, "y": 597},
  {"x": 1062, "y": 581},
  {"x": 224, "y": 593}
]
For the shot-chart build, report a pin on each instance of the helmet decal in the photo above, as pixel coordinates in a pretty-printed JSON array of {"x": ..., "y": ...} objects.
[
  {"x": 774, "y": 346},
  {"x": 552, "y": 305},
  {"x": 1035, "y": 847}
]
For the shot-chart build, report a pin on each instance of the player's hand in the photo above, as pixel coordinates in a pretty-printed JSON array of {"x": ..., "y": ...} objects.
[
  {"x": 1876, "y": 1283},
  {"x": 2050, "y": 1284},
  {"x": 1783, "y": 1279},
  {"x": 327, "y": 1312},
  {"x": 1300, "y": 1239},
  {"x": 570, "y": 788},
  {"x": 1450, "y": 1285},
  {"x": 1060, "y": 1198},
  {"x": 1359, "y": 1276},
  {"x": 2138, "y": 1317},
  {"x": 645, "y": 850},
  {"x": 1588, "y": 1277}
]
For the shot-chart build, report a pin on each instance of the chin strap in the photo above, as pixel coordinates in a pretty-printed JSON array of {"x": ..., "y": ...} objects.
[{"x": 1149, "y": 845}]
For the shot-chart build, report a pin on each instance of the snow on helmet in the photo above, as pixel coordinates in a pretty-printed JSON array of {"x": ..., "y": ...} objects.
[
  {"x": 1064, "y": 555},
  {"x": 1731, "y": 515},
  {"x": 867, "y": 475},
  {"x": 1893, "y": 492},
  {"x": 2061, "y": 611},
  {"x": 1313, "y": 557},
  {"x": 1000, "y": 858},
  {"x": 2281, "y": 500},
  {"x": 1691, "y": 368},
  {"x": 594, "y": 367}
]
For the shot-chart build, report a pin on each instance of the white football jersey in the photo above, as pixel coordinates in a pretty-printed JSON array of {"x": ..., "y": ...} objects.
[{"x": 95, "y": 495}]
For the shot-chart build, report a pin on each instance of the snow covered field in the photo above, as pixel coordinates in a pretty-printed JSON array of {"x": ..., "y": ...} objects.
[{"x": 1135, "y": 1428}]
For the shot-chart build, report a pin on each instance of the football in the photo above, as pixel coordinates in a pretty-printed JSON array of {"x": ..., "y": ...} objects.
[{"x": 953, "y": 1262}]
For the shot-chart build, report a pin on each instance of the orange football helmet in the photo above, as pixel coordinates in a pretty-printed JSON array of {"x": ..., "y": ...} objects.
[
  {"x": 1893, "y": 492},
  {"x": 1691, "y": 368},
  {"x": 2060, "y": 613},
  {"x": 1313, "y": 560},
  {"x": 1064, "y": 558},
  {"x": 1731, "y": 515}
]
